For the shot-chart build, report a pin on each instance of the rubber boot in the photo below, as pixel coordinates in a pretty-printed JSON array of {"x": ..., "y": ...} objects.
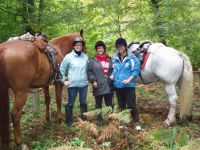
[
  {"x": 83, "y": 108},
  {"x": 99, "y": 120},
  {"x": 69, "y": 115}
]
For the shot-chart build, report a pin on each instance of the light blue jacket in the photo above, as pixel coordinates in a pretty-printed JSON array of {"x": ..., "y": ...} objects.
[
  {"x": 77, "y": 67},
  {"x": 124, "y": 70}
]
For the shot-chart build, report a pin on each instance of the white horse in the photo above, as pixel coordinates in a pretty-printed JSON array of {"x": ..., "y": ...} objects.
[{"x": 171, "y": 67}]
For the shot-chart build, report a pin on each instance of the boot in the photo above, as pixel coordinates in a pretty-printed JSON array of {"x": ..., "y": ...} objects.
[
  {"x": 99, "y": 120},
  {"x": 69, "y": 115},
  {"x": 135, "y": 116},
  {"x": 83, "y": 108}
]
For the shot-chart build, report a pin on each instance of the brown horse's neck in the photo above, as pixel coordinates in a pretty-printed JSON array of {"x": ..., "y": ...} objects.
[{"x": 64, "y": 43}]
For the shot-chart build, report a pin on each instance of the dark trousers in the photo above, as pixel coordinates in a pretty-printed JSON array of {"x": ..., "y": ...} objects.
[
  {"x": 107, "y": 98},
  {"x": 127, "y": 99}
]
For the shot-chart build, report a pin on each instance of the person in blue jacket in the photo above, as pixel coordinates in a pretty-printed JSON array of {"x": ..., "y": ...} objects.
[
  {"x": 126, "y": 68},
  {"x": 76, "y": 65}
]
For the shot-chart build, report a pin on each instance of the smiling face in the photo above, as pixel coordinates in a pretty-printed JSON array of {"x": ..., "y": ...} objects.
[
  {"x": 100, "y": 50},
  {"x": 121, "y": 49},
  {"x": 78, "y": 46}
]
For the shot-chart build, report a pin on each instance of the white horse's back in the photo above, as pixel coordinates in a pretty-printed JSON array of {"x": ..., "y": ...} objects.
[{"x": 165, "y": 63}]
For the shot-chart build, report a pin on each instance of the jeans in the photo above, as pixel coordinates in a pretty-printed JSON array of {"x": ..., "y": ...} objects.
[{"x": 72, "y": 94}]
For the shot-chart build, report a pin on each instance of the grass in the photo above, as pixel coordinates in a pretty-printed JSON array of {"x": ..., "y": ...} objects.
[{"x": 41, "y": 135}]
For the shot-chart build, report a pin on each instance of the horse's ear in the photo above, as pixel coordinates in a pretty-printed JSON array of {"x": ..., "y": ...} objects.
[{"x": 81, "y": 32}]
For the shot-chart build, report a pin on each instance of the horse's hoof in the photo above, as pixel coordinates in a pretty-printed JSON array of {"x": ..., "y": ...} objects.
[
  {"x": 185, "y": 119},
  {"x": 169, "y": 123},
  {"x": 24, "y": 147},
  {"x": 189, "y": 118}
]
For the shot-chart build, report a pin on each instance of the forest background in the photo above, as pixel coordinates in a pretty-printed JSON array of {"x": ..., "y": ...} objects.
[{"x": 175, "y": 23}]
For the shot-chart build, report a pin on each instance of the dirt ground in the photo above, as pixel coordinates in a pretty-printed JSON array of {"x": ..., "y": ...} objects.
[{"x": 153, "y": 107}]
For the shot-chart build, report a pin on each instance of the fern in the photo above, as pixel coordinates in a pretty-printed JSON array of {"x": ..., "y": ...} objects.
[
  {"x": 122, "y": 144},
  {"x": 123, "y": 116},
  {"x": 87, "y": 127},
  {"x": 108, "y": 133},
  {"x": 104, "y": 111}
]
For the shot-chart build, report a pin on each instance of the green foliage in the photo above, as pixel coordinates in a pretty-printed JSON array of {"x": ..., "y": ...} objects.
[
  {"x": 174, "y": 22},
  {"x": 37, "y": 145},
  {"x": 76, "y": 142},
  {"x": 172, "y": 138},
  {"x": 123, "y": 116}
]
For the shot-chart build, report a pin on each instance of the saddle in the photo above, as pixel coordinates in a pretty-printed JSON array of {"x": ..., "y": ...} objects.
[
  {"x": 46, "y": 48},
  {"x": 142, "y": 52}
]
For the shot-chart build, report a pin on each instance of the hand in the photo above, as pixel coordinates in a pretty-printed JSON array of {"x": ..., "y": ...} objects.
[
  {"x": 125, "y": 81},
  {"x": 128, "y": 80},
  {"x": 111, "y": 78},
  {"x": 66, "y": 83},
  {"x": 95, "y": 84}
]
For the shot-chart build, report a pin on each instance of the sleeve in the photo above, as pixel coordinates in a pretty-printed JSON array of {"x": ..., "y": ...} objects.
[
  {"x": 114, "y": 69},
  {"x": 63, "y": 67},
  {"x": 91, "y": 75},
  {"x": 110, "y": 68},
  {"x": 135, "y": 67}
]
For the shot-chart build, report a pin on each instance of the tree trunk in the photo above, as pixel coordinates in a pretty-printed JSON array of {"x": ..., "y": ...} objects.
[
  {"x": 157, "y": 20},
  {"x": 28, "y": 9},
  {"x": 40, "y": 13}
]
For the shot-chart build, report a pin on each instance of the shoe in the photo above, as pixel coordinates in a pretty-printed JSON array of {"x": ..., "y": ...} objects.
[{"x": 137, "y": 126}]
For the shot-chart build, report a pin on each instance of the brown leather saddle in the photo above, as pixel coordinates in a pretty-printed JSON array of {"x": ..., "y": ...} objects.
[
  {"x": 50, "y": 52},
  {"x": 46, "y": 48}
]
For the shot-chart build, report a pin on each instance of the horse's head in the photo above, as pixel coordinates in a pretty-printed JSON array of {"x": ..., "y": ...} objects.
[
  {"x": 133, "y": 46},
  {"x": 140, "y": 46},
  {"x": 65, "y": 43}
]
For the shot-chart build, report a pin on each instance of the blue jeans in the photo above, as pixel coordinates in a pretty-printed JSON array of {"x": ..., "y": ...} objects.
[{"x": 72, "y": 94}]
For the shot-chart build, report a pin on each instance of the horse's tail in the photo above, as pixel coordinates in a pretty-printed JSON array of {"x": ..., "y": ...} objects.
[
  {"x": 186, "y": 88},
  {"x": 4, "y": 106}
]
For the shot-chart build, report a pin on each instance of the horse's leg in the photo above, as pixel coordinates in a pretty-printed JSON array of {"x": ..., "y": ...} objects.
[
  {"x": 171, "y": 92},
  {"x": 58, "y": 90},
  {"x": 20, "y": 99},
  {"x": 47, "y": 102}
]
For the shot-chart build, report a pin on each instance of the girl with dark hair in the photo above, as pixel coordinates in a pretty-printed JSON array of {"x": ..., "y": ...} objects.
[
  {"x": 126, "y": 68},
  {"x": 100, "y": 69}
]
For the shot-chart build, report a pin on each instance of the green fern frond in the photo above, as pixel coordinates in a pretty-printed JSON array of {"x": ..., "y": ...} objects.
[
  {"x": 104, "y": 111},
  {"x": 123, "y": 116}
]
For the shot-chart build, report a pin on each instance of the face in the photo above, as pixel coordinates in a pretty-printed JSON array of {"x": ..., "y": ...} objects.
[
  {"x": 100, "y": 50},
  {"x": 78, "y": 46},
  {"x": 121, "y": 49}
]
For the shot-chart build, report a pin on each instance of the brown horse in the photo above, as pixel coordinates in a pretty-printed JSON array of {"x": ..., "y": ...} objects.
[{"x": 23, "y": 66}]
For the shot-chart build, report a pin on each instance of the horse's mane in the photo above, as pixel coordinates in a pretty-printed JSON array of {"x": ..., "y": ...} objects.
[
  {"x": 144, "y": 42},
  {"x": 133, "y": 42},
  {"x": 63, "y": 36}
]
